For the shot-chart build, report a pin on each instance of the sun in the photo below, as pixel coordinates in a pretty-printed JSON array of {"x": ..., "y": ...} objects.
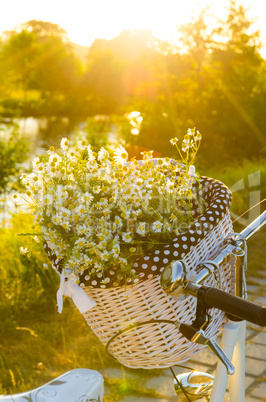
[
  {"x": 87, "y": 20},
  {"x": 105, "y": 19}
]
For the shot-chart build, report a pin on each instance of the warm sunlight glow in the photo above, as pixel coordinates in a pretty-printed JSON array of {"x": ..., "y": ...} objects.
[{"x": 85, "y": 20}]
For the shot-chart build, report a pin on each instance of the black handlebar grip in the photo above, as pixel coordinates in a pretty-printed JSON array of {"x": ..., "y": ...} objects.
[{"x": 233, "y": 305}]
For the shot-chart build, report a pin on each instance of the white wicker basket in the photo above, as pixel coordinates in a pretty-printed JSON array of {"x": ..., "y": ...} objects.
[{"x": 156, "y": 345}]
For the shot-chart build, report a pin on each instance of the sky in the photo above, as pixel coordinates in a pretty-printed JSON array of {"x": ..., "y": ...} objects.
[{"x": 86, "y": 20}]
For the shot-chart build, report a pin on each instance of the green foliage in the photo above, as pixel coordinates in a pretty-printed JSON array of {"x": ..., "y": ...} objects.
[
  {"x": 96, "y": 132},
  {"x": 215, "y": 81},
  {"x": 13, "y": 151},
  {"x": 22, "y": 278},
  {"x": 37, "y": 343},
  {"x": 39, "y": 57}
]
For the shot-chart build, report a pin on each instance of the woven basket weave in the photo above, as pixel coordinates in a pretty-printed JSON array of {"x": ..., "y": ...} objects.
[{"x": 156, "y": 345}]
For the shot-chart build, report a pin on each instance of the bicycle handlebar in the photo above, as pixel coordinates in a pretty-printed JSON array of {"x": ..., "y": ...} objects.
[{"x": 234, "y": 305}]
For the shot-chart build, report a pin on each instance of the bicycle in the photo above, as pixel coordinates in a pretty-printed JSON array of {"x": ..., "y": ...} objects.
[{"x": 87, "y": 385}]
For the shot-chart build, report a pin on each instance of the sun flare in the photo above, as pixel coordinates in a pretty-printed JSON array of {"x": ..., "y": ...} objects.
[
  {"x": 86, "y": 20},
  {"x": 160, "y": 17}
]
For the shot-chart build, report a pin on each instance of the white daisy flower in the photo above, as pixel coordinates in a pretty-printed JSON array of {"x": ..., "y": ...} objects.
[
  {"x": 91, "y": 157},
  {"x": 102, "y": 245},
  {"x": 87, "y": 259},
  {"x": 64, "y": 143},
  {"x": 72, "y": 155},
  {"x": 41, "y": 168},
  {"x": 23, "y": 250},
  {"x": 83, "y": 229},
  {"x": 122, "y": 261},
  {"x": 54, "y": 159},
  {"x": 168, "y": 226},
  {"x": 80, "y": 210},
  {"x": 48, "y": 199},
  {"x": 66, "y": 225},
  {"x": 174, "y": 141},
  {"x": 80, "y": 243},
  {"x": 120, "y": 155},
  {"x": 56, "y": 219},
  {"x": 126, "y": 236},
  {"x": 148, "y": 182},
  {"x": 82, "y": 144},
  {"x": 157, "y": 226},
  {"x": 35, "y": 162},
  {"x": 87, "y": 198},
  {"x": 103, "y": 154},
  {"x": 141, "y": 228},
  {"x": 116, "y": 250},
  {"x": 106, "y": 256},
  {"x": 96, "y": 189},
  {"x": 173, "y": 217}
]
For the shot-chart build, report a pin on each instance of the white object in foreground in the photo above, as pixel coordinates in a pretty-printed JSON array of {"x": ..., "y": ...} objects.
[{"x": 75, "y": 385}]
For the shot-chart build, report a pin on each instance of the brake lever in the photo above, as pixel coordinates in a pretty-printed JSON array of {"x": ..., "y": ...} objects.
[{"x": 199, "y": 337}]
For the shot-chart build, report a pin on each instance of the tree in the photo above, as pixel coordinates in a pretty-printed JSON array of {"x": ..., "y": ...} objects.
[
  {"x": 37, "y": 56},
  {"x": 235, "y": 69},
  {"x": 44, "y": 29},
  {"x": 216, "y": 84}
]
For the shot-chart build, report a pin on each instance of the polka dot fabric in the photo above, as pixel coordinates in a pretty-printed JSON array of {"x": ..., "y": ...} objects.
[{"x": 217, "y": 198}]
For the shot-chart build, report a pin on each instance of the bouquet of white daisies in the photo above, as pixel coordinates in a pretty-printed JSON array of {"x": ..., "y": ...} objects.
[{"x": 98, "y": 212}]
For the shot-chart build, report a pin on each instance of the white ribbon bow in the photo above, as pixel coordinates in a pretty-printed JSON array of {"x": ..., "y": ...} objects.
[{"x": 69, "y": 287}]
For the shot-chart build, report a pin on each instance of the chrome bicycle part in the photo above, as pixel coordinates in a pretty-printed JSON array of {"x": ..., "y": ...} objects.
[
  {"x": 254, "y": 227},
  {"x": 239, "y": 270},
  {"x": 237, "y": 248},
  {"x": 195, "y": 384},
  {"x": 200, "y": 338},
  {"x": 174, "y": 277}
]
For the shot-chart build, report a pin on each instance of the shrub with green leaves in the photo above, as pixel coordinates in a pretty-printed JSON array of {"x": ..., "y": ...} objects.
[{"x": 13, "y": 152}]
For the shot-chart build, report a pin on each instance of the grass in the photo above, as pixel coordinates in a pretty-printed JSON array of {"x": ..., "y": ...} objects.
[{"x": 38, "y": 343}]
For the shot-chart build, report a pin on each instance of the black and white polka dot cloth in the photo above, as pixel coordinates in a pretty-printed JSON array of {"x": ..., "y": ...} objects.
[{"x": 217, "y": 198}]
